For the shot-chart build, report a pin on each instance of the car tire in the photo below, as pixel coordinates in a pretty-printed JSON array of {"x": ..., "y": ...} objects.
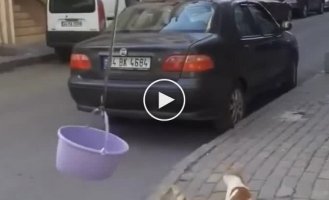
[
  {"x": 289, "y": 15},
  {"x": 303, "y": 12},
  {"x": 321, "y": 8},
  {"x": 291, "y": 77},
  {"x": 63, "y": 54},
  {"x": 233, "y": 110}
]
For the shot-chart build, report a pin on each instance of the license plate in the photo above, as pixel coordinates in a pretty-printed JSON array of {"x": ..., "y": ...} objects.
[
  {"x": 72, "y": 23},
  {"x": 129, "y": 63}
]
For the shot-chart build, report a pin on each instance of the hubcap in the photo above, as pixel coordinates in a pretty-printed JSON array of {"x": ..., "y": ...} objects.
[
  {"x": 236, "y": 106},
  {"x": 305, "y": 10}
]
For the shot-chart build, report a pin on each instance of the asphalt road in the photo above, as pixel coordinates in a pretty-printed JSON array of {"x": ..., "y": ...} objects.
[{"x": 35, "y": 102}]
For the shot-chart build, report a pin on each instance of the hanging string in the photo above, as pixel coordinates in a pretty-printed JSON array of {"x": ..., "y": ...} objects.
[
  {"x": 104, "y": 96},
  {"x": 110, "y": 57}
]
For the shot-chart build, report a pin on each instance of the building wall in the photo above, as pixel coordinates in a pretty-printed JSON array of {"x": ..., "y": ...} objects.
[{"x": 7, "y": 32}]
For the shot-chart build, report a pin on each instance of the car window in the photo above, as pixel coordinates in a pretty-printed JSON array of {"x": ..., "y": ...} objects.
[
  {"x": 187, "y": 17},
  {"x": 244, "y": 21},
  {"x": 72, "y": 6},
  {"x": 263, "y": 19}
]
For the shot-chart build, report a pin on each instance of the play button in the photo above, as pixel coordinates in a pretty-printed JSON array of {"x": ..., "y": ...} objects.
[{"x": 164, "y": 100}]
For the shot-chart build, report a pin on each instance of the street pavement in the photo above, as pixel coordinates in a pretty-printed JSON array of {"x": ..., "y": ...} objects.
[
  {"x": 282, "y": 152},
  {"x": 35, "y": 102}
]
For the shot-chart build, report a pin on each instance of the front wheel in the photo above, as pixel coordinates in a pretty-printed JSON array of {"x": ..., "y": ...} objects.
[{"x": 233, "y": 110}]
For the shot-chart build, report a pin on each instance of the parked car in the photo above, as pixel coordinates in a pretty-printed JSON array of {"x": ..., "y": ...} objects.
[
  {"x": 221, "y": 53},
  {"x": 303, "y": 7},
  {"x": 280, "y": 10},
  {"x": 72, "y": 21}
]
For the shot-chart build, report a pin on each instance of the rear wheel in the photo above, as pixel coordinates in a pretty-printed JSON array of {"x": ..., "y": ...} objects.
[
  {"x": 321, "y": 8},
  {"x": 303, "y": 12},
  {"x": 233, "y": 110},
  {"x": 63, "y": 53},
  {"x": 289, "y": 17}
]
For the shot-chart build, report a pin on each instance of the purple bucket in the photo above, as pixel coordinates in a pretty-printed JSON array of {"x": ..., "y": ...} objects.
[{"x": 79, "y": 152}]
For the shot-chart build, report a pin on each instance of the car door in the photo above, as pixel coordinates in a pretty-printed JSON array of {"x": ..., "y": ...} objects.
[
  {"x": 273, "y": 43},
  {"x": 250, "y": 54},
  {"x": 314, "y": 4}
]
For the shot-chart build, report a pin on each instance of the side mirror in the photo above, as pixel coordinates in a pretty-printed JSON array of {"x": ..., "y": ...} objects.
[{"x": 286, "y": 26}]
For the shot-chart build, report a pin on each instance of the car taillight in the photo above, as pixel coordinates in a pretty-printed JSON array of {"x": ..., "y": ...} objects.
[
  {"x": 101, "y": 15},
  {"x": 189, "y": 63},
  {"x": 80, "y": 62}
]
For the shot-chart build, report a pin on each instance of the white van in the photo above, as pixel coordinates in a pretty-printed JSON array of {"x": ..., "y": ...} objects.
[{"x": 71, "y": 21}]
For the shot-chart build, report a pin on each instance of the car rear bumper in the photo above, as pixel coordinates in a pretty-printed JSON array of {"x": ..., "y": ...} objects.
[
  {"x": 125, "y": 99},
  {"x": 68, "y": 38}
]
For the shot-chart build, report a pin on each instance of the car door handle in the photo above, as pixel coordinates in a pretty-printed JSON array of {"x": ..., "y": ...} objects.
[{"x": 246, "y": 45}]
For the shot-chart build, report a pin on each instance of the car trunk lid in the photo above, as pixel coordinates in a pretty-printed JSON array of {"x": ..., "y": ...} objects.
[{"x": 138, "y": 56}]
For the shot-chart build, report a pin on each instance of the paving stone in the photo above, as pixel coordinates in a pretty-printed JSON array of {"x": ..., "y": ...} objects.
[
  {"x": 326, "y": 165},
  {"x": 287, "y": 187},
  {"x": 324, "y": 174},
  {"x": 322, "y": 153},
  {"x": 321, "y": 190},
  {"x": 315, "y": 165},
  {"x": 197, "y": 182},
  {"x": 255, "y": 185},
  {"x": 220, "y": 187},
  {"x": 214, "y": 178},
  {"x": 267, "y": 167},
  {"x": 301, "y": 163},
  {"x": 296, "y": 171},
  {"x": 281, "y": 159},
  {"x": 221, "y": 168},
  {"x": 199, "y": 198},
  {"x": 187, "y": 176},
  {"x": 254, "y": 194},
  {"x": 218, "y": 196},
  {"x": 181, "y": 185},
  {"x": 206, "y": 190},
  {"x": 272, "y": 183},
  {"x": 304, "y": 186}
]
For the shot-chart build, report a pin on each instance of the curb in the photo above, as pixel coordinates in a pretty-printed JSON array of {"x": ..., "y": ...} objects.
[
  {"x": 200, "y": 153},
  {"x": 24, "y": 61},
  {"x": 183, "y": 165}
]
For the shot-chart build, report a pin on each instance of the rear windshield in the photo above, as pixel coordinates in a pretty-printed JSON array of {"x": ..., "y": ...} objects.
[
  {"x": 72, "y": 6},
  {"x": 188, "y": 17}
]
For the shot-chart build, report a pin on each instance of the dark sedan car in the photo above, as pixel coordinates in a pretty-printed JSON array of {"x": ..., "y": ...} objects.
[
  {"x": 303, "y": 7},
  {"x": 280, "y": 10},
  {"x": 220, "y": 52}
]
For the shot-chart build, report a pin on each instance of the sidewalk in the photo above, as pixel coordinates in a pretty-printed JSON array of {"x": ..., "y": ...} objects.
[
  {"x": 282, "y": 149},
  {"x": 16, "y": 56}
]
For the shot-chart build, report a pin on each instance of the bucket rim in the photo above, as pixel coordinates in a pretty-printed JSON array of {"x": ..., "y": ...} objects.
[{"x": 99, "y": 131}]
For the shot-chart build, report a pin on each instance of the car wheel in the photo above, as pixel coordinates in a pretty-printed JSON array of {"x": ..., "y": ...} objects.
[
  {"x": 321, "y": 8},
  {"x": 234, "y": 109},
  {"x": 304, "y": 11},
  {"x": 291, "y": 77},
  {"x": 63, "y": 54},
  {"x": 289, "y": 17}
]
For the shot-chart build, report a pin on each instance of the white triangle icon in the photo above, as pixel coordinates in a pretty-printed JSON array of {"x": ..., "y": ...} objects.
[{"x": 164, "y": 100}]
